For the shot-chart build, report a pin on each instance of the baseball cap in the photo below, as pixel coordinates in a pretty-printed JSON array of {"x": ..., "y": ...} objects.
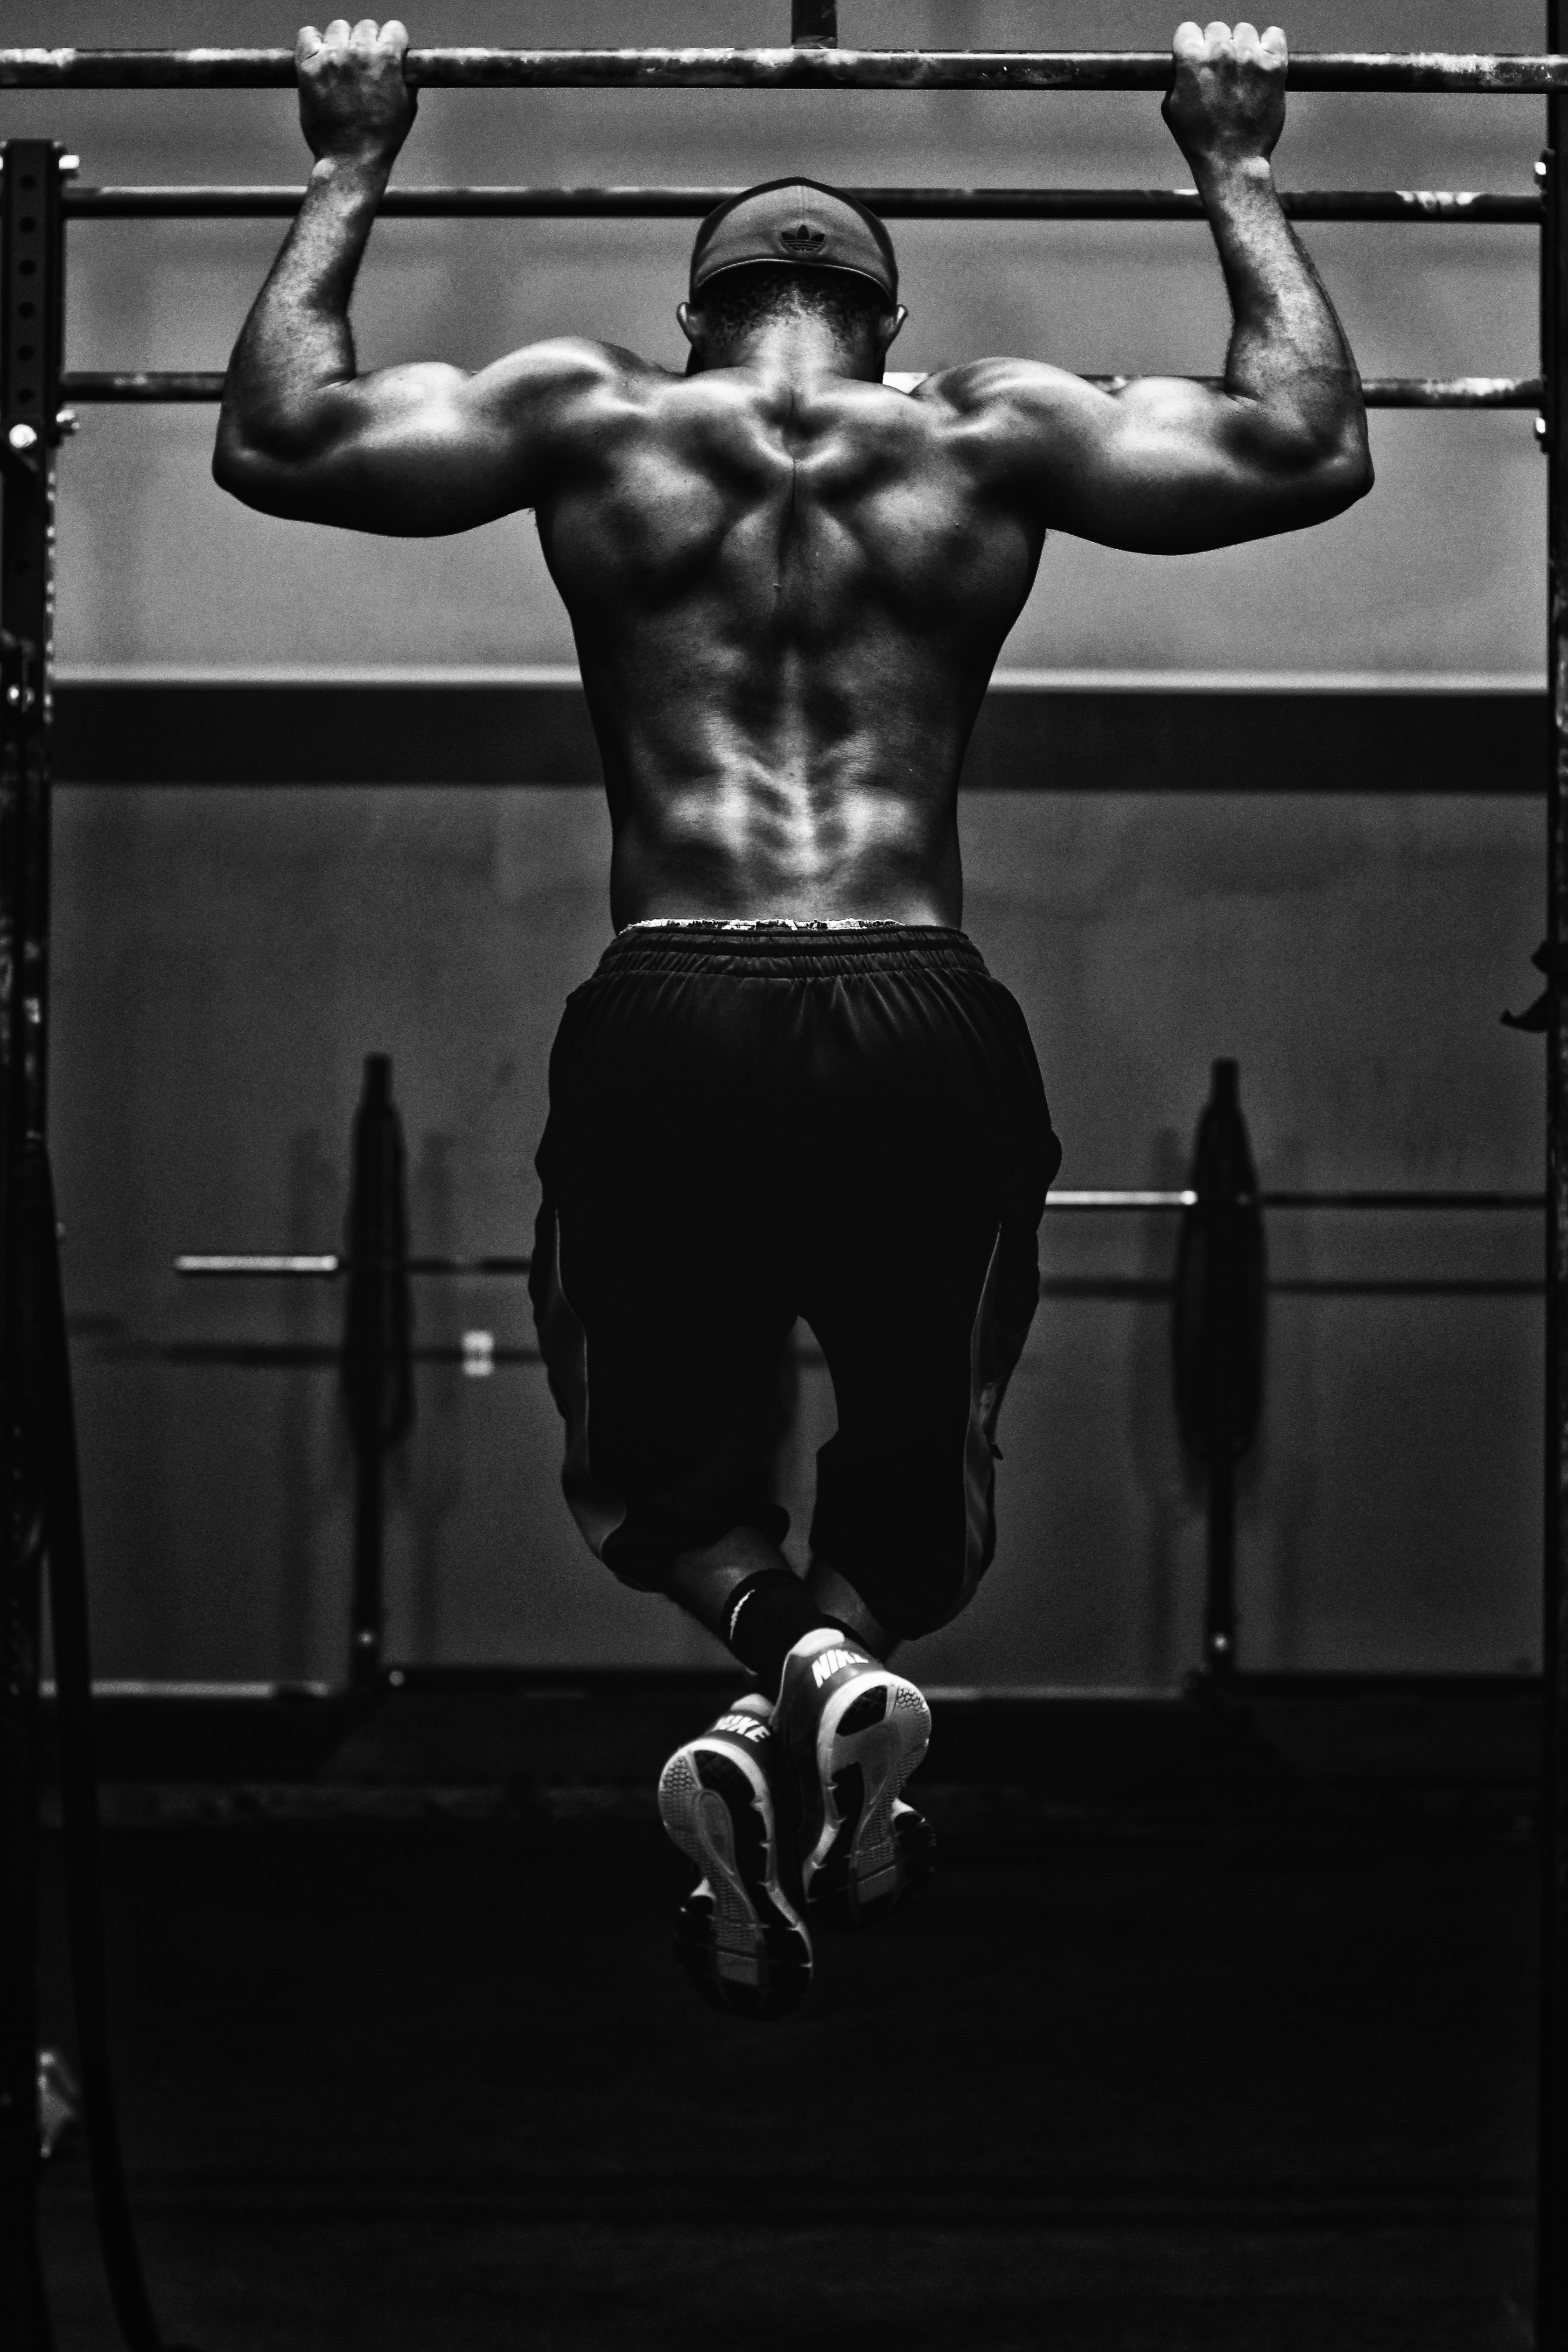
[{"x": 795, "y": 223}]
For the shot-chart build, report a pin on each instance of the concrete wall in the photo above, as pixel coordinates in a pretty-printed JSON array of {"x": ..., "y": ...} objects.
[{"x": 226, "y": 957}]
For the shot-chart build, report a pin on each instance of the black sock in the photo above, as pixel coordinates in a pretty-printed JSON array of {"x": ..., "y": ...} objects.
[{"x": 764, "y": 1620}]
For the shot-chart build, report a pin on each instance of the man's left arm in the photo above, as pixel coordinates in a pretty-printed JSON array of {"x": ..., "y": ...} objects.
[{"x": 1169, "y": 466}]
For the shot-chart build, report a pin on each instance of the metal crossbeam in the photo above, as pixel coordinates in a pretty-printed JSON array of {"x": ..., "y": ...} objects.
[
  {"x": 32, "y": 291},
  {"x": 806, "y": 68},
  {"x": 1551, "y": 2187},
  {"x": 1452, "y": 206},
  {"x": 175, "y": 387},
  {"x": 305, "y": 1266}
]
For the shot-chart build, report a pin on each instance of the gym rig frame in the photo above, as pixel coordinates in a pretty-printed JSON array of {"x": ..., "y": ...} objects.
[{"x": 1222, "y": 1232}]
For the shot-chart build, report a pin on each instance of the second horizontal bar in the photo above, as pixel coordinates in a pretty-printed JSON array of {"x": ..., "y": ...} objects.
[
  {"x": 1415, "y": 205},
  {"x": 303, "y": 1266},
  {"x": 123, "y": 387}
]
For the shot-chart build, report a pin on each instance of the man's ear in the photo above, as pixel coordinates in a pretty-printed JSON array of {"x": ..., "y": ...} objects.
[
  {"x": 690, "y": 325},
  {"x": 891, "y": 326}
]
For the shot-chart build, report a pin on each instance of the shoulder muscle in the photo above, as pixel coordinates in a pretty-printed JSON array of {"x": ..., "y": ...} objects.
[
  {"x": 426, "y": 449},
  {"x": 1160, "y": 464}
]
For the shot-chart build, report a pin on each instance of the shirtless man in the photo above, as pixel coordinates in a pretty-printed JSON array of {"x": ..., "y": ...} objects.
[{"x": 791, "y": 1088}]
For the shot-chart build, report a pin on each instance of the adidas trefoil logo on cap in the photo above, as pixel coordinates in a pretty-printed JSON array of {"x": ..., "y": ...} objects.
[{"x": 804, "y": 239}]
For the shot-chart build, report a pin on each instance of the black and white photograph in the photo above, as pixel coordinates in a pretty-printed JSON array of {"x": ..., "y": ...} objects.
[{"x": 784, "y": 1177}]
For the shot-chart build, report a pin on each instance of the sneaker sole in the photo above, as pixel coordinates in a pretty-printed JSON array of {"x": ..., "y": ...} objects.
[
  {"x": 873, "y": 1853},
  {"x": 739, "y": 1938}
]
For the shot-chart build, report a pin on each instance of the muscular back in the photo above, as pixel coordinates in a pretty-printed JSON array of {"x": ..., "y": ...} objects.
[
  {"x": 788, "y": 592},
  {"x": 788, "y": 583}
]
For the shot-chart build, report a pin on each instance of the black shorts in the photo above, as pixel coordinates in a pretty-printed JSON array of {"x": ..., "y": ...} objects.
[{"x": 752, "y": 1123}]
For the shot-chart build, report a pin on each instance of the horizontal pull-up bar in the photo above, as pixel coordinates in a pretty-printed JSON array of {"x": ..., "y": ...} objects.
[
  {"x": 124, "y": 387},
  {"x": 792, "y": 69},
  {"x": 891, "y": 204}
]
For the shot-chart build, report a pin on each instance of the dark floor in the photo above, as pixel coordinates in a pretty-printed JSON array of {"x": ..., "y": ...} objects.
[{"x": 1249, "y": 2088}]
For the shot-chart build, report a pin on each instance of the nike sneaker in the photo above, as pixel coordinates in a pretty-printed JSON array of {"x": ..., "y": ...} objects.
[
  {"x": 854, "y": 1732},
  {"x": 739, "y": 1937}
]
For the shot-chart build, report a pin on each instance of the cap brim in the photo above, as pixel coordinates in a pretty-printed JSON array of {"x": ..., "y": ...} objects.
[{"x": 783, "y": 261}]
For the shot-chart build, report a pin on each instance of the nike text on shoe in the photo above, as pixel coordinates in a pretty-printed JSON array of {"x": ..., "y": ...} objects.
[
  {"x": 739, "y": 1937},
  {"x": 854, "y": 1731}
]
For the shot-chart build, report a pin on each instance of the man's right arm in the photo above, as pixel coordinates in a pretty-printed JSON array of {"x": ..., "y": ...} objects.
[
  {"x": 417, "y": 450},
  {"x": 1169, "y": 466}
]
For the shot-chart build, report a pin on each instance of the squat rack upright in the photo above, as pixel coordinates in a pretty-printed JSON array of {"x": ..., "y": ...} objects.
[{"x": 36, "y": 1459}]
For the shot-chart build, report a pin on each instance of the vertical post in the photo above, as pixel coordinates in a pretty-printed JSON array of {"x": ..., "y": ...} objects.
[
  {"x": 814, "y": 24},
  {"x": 32, "y": 261},
  {"x": 1551, "y": 2245},
  {"x": 378, "y": 1384}
]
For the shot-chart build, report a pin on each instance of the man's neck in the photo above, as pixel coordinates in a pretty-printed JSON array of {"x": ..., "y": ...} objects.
[{"x": 803, "y": 350}]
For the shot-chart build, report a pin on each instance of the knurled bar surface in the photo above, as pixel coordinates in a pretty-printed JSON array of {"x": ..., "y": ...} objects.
[
  {"x": 1417, "y": 204},
  {"x": 778, "y": 68}
]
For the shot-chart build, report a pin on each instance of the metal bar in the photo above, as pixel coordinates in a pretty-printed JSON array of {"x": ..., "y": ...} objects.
[
  {"x": 1120, "y": 1200},
  {"x": 1468, "y": 391},
  {"x": 1489, "y": 74},
  {"x": 1407, "y": 1286},
  {"x": 175, "y": 388},
  {"x": 326, "y": 1266},
  {"x": 1465, "y": 391},
  {"x": 1455, "y": 206},
  {"x": 140, "y": 386},
  {"x": 40, "y": 1512},
  {"x": 52, "y": 1421},
  {"x": 254, "y": 1263},
  {"x": 264, "y": 1355},
  {"x": 1483, "y": 1200},
  {"x": 32, "y": 260},
  {"x": 1552, "y": 2239}
]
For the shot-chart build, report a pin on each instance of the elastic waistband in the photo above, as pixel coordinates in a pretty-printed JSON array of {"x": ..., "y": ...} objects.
[{"x": 785, "y": 950}]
